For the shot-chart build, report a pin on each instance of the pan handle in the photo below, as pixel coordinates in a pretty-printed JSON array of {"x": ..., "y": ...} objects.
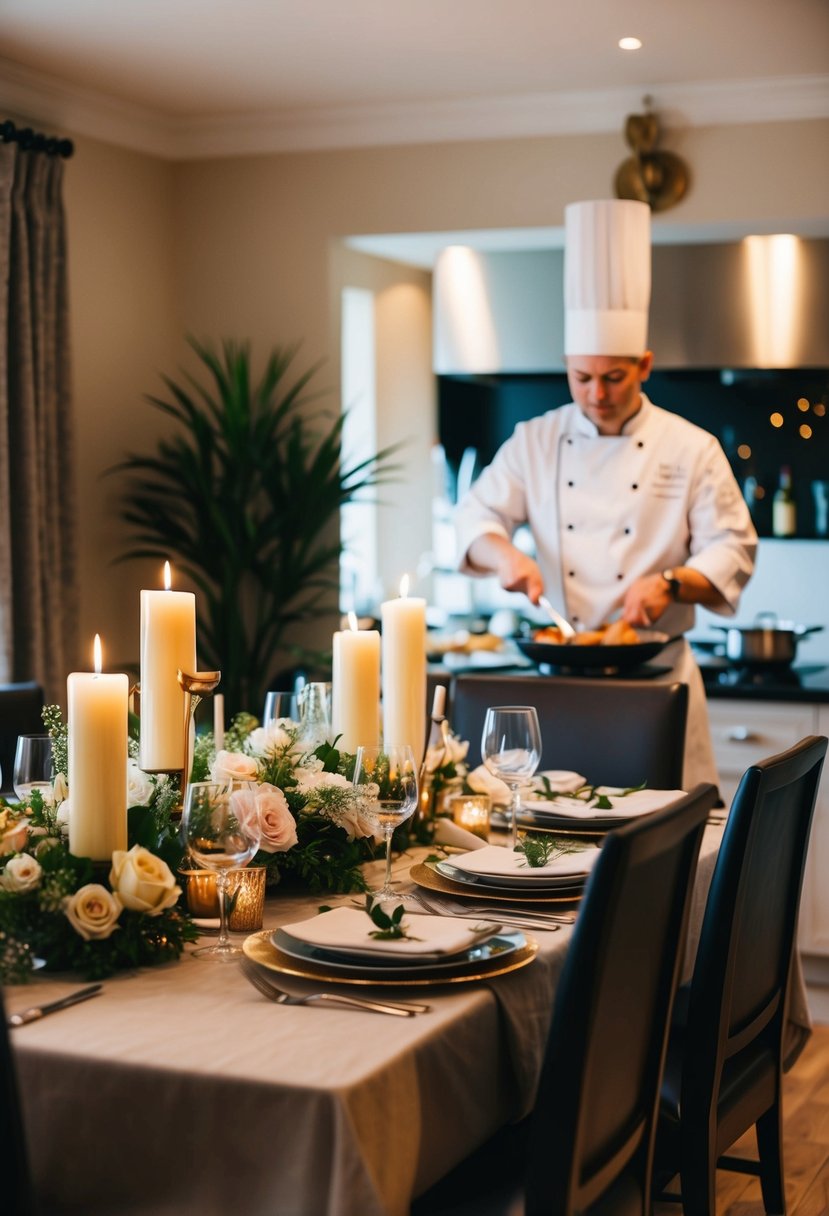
[{"x": 800, "y": 630}]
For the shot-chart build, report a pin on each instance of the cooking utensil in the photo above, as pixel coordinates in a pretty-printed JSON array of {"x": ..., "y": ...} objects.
[
  {"x": 562, "y": 622},
  {"x": 569, "y": 654},
  {"x": 270, "y": 990},
  {"x": 36, "y": 1012},
  {"x": 768, "y": 641}
]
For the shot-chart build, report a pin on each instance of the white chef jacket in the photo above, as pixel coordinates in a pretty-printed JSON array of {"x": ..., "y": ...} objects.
[{"x": 606, "y": 509}]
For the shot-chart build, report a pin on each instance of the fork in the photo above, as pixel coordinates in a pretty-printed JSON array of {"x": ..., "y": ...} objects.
[
  {"x": 270, "y": 990},
  {"x": 481, "y": 911}
]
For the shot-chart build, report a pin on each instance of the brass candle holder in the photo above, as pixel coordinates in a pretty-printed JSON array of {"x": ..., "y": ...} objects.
[{"x": 196, "y": 686}]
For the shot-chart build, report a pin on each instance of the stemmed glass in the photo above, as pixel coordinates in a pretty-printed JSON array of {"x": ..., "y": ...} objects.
[
  {"x": 32, "y": 765},
  {"x": 280, "y": 705},
  {"x": 511, "y": 750},
  {"x": 387, "y": 781},
  {"x": 219, "y": 839}
]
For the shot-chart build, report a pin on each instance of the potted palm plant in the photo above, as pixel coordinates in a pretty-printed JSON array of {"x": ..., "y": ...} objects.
[{"x": 245, "y": 497}]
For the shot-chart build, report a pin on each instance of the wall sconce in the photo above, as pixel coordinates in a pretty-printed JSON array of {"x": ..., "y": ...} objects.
[{"x": 659, "y": 179}]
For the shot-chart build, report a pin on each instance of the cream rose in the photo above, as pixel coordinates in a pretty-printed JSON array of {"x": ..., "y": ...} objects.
[
  {"x": 233, "y": 766},
  {"x": 140, "y": 785},
  {"x": 265, "y": 805},
  {"x": 308, "y": 779},
  {"x": 268, "y": 740},
  {"x": 21, "y": 874},
  {"x": 142, "y": 881},
  {"x": 93, "y": 911},
  {"x": 13, "y": 833}
]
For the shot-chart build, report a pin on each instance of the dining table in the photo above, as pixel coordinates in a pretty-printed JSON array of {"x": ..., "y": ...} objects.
[{"x": 181, "y": 1089}]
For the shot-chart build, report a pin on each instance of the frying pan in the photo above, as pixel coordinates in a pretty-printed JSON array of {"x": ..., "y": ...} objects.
[{"x": 620, "y": 657}]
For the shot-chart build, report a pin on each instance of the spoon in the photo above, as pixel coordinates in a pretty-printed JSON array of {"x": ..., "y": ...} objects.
[{"x": 562, "y": 622}]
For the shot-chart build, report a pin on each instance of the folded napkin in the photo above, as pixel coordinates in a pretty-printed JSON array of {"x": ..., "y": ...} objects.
[
  {"x": 350, "y": 929},
  {"x": 640, "y": 802},
  {"x": 448, "y": 832},
  {"x": 482, "y": 781},
  {"x": 496, "y": 860}
]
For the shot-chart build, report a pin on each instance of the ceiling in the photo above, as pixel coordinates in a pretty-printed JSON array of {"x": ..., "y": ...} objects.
[{"x": 198, "y": 77}]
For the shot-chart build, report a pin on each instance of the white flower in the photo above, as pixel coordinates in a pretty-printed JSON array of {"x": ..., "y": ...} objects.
[
  {"x": 140, "y": 785},
  {"x": 308, "y": 779},
  {"x": 60, "y": 790},
  {"x": 451, "y": 750},
  {"x": 13, "y": 833},
  {"x": 21, "y": 874},
  {"x": 233, "y": 766},
  {"x": 273, "y": 738},
  {"x": 93, "y": 911},
  {"x": 142, "y": 881}
]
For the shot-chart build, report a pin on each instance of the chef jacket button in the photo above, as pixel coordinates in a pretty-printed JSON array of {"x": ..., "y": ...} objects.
[
  {"x": 574, "y": 618},
  {"x": 571, "y": 483},
  {"x": 569, "y": 527},
  {"x": 627, "y": 531},
  {"x": 640, "y": 444},
  {"x": 635, "y": 485},
  {"x": 570, "y": 441},
  {"x": 571, "y": 574},
  {"x": 620, "y": 576}
]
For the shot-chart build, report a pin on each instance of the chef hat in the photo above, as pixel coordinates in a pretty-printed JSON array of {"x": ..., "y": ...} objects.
[{"x": 607, "y": 277}]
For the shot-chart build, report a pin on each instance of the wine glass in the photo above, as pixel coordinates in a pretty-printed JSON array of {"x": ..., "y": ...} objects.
[
  {"x": 219, "y": 836},
  {"x": 280, "y": 705},
  {"x": 387, "y": 781},
  {"x": 511, "y": 750},
  {"x": 32, "y": 766}
]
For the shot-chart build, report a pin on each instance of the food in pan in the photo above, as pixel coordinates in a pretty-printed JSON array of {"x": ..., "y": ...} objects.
[{"x": 618, "y": 633}]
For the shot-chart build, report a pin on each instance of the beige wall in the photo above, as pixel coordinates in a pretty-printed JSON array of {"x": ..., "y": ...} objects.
[{"x": 251, "y": 247}]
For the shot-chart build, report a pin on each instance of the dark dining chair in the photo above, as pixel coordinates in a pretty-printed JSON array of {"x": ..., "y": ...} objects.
[
  {"x": 14, "y": 1169},
  {"x": 725, "y": 1054},
  {"x": 20, "y": 706},
  {"x": 614, "y": 732},
  {"x": 589, "y": 1142}
]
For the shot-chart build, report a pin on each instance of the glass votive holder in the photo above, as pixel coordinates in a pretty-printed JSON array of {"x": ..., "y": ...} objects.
[
  {"x": 246, "y": 891},
  {"x": 471, "y": 811}
]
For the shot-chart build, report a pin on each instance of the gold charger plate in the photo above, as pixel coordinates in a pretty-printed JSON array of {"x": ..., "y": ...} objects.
[
  {"x": 261, "y": 949},
  {"x": 426, "y": 876}
]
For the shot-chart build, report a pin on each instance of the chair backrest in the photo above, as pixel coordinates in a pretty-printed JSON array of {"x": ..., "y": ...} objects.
[
  {"x": 595, "y": 1115},
  {"x": 14, "y": 1170},
  {"x": 20, "y": 706},
  {"x": 614, "y": 732},
  {"x": 741, "y": 973}
]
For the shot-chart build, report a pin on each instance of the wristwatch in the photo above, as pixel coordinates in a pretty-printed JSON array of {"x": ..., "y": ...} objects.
[{"x": 673, "y": 582}]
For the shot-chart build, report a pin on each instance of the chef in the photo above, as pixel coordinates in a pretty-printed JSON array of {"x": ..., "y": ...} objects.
[{"x": 632, "y": 509}]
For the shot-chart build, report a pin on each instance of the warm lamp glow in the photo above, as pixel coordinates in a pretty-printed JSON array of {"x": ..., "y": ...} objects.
[
  {"x": 805, "y": 431},
  {"x": 168, "y": 577},
  {"x": 802, "y": 404},
  {"x": 630, "y": 44},
  {"x": 404, "y": 586},
  {"x": 97, "y": 654},
  {"x": 776, "y": 420},
  {"x": 744, "y": 451},
  {"x": 352, "y": 622},
  {"x": 774, "y": 266}
]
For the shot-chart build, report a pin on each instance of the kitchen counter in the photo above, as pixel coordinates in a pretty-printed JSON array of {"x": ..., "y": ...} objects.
[{"x": 802, "y": 683}]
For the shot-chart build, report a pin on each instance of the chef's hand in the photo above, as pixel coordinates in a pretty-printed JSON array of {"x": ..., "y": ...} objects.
[
  {"x": 514, "y": 570},
  {"x": 646, "y": 600}
]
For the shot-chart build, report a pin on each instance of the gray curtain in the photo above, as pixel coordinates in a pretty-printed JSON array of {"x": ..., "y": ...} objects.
[{"x": 38, "y": 584}]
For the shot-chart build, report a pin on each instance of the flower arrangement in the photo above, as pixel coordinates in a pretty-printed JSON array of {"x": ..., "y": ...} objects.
[{"x": 57, "y": 907}]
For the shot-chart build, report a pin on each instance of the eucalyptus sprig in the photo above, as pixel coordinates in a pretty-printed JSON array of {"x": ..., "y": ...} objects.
[{"x": 389, "y": 928}]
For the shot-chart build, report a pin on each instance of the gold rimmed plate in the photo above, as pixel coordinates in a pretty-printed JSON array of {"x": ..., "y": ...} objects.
[
  {"x": 261, "y": 949},
  {"x": 548, "y": 821},
  {"x": 425, "y": 875}
]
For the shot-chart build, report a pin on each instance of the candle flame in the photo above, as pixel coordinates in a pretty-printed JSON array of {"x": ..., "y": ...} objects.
[
  {"x": 404, "y": 586},
  {"x": 352, "y": 621},
  {"x": 98, "y": 654},
  {"x": 168, "y": 578}
]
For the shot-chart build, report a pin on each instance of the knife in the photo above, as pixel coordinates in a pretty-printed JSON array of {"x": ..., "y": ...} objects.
[{"x": 40, "y": 1011}]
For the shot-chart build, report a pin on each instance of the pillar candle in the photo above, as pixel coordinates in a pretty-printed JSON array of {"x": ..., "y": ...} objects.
[
  {"x": 98, "y": 730},
  {"x": 168, "y": 644},
  {"x": 218, "y": 721},
  {"x": 355, "y": 692},
  {"x": 404, "y": 671}
]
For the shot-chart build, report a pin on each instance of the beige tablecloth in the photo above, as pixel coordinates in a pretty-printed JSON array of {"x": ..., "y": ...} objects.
[{"x": 181, "y": 1090}]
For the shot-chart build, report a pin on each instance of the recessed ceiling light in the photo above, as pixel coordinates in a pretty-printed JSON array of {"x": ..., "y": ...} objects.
[{"x": 630, "y": 44}]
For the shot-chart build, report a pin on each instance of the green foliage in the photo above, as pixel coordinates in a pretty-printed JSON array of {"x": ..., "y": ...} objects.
[
  {"x": 58, "y": 732},
  {"x": 539, "y": 850},
  {"x": 389, "y": 927},
  {"x": 245, "y": 498}
]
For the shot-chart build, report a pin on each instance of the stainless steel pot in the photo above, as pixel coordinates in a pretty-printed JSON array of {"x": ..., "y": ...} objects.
[{"x": 767, "y": 642}]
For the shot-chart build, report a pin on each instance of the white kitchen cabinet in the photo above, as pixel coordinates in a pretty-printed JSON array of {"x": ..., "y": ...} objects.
[{"x": 746, "y": 731}]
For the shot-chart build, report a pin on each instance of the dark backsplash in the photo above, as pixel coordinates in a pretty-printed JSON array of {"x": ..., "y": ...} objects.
[{"x": 736, "y": 406}]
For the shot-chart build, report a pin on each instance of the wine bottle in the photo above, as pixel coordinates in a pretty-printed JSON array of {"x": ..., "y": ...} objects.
[
  {"x": 434, "y": 751},
  {"x": 784, "y": 510}
]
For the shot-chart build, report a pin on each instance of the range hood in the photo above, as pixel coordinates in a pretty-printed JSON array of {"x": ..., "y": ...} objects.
[{"x": 756, "y": 303}]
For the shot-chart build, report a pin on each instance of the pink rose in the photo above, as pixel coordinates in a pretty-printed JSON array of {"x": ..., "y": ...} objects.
[
  {"x": 266, "y": 805},
  {"x": 233, "y": 766}
]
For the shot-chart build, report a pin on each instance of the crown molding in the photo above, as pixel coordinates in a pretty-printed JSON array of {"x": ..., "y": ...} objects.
[{"x": 80, "y": 111}]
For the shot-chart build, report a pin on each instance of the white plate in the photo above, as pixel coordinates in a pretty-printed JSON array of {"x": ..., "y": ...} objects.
[
  {"x": 551, "y": 882},
  {"x": 497, "y": 946}
]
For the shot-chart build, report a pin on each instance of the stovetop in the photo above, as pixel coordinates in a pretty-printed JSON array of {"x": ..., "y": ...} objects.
[{"x": 803, "y": 682}]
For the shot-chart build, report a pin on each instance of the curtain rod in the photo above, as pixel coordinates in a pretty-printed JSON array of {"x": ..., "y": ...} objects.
[{"x": 35, "y": 141}]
